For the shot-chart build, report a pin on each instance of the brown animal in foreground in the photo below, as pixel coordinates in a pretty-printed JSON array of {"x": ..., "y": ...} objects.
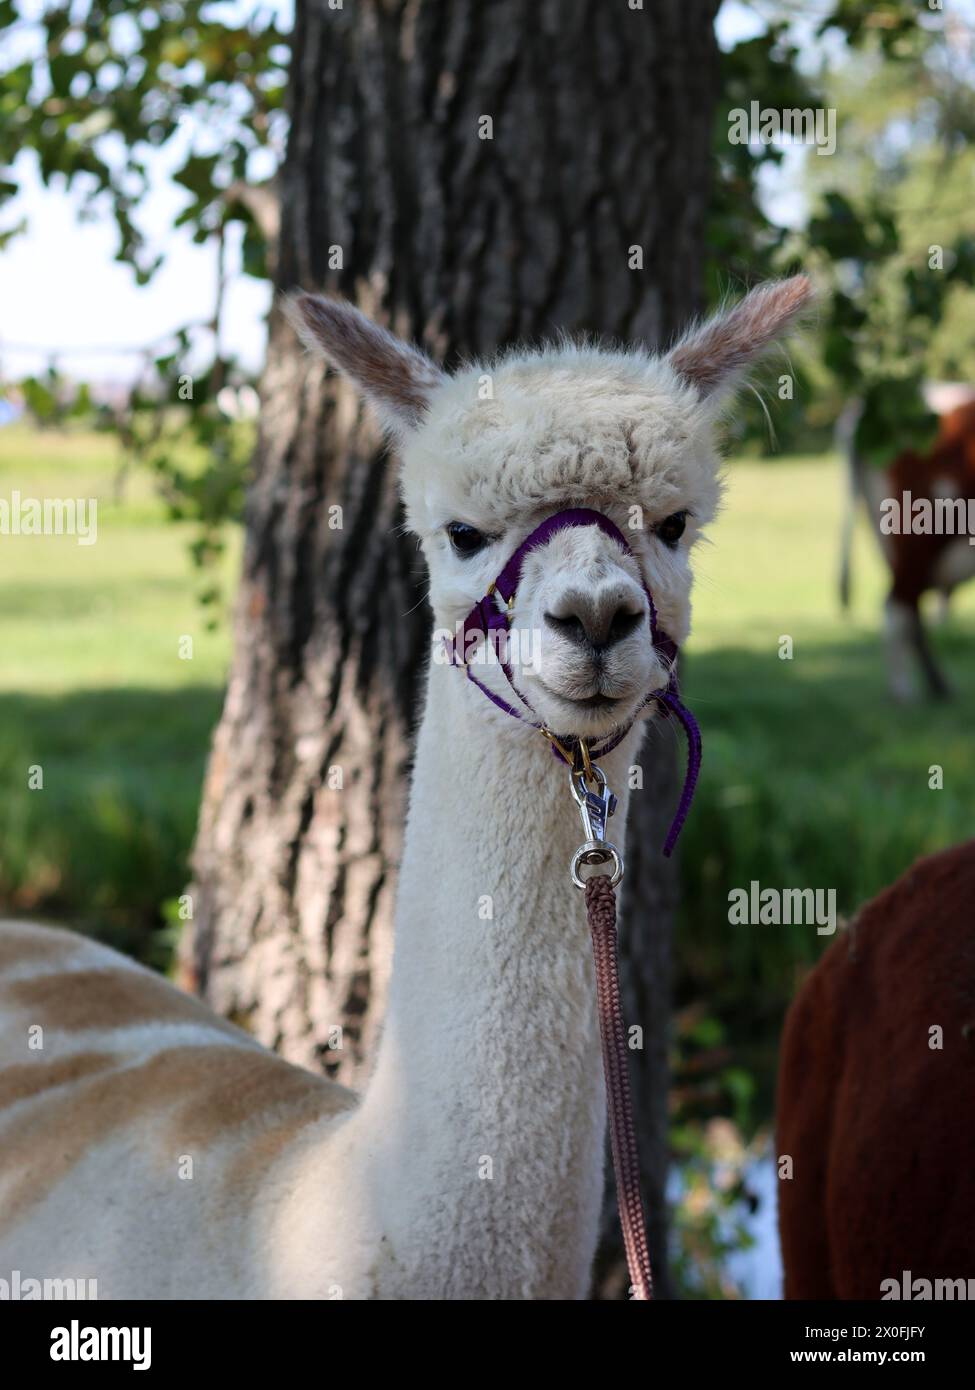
[
  {"x": 939, "y": 481},
  {"x": 879, "y": 1120}
]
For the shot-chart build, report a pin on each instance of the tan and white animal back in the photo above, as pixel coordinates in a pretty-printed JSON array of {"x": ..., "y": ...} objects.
[{"x": 119, "y": 1092}]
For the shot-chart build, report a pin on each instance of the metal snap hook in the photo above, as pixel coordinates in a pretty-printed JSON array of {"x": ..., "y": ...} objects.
[{"x": 595, "y": 808}]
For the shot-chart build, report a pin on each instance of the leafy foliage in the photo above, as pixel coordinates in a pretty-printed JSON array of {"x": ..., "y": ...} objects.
[
  {"x": 891, "y": 237},
  {"x": 744, "y": 242},
  {"x": 108, "y": 80},
  {"x": 93, "y": 89},
  {"x": 889, "y": 275}
]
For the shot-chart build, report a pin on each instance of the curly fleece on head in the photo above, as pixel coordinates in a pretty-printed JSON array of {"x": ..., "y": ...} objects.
[{"x": 567, "y": 422}]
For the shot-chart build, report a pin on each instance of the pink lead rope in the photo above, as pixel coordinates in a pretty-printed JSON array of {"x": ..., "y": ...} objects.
[
  {"x": 596, "y": 803},
  {"x": 601, "y": 912}
]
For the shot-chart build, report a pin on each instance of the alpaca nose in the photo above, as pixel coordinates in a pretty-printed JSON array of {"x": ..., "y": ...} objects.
[{"x": 594, "y": 621}]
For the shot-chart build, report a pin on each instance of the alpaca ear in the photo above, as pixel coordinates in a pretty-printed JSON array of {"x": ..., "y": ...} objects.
[
  {"x": 713, "y": 356},
  {"x": 393, "y": 376}
]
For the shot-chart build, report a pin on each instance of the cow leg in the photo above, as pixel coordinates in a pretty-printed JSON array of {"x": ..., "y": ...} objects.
[
  {"x": 907, "y": 642},
  {"x": 899, "y": 624},
  {"x": 938, "y": 686}
]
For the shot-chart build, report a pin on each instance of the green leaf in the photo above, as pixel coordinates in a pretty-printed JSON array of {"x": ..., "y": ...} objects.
[{"x": 895, "y": 418}]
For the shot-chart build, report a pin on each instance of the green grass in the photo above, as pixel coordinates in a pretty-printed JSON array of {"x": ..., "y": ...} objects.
[
  {"x": 89, "y": 617},
  {"x": 94, "y": 691},
  {"x": 812, "y": 776}
]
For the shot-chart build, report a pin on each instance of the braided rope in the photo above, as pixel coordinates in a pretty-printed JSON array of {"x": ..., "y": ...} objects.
[{"x": 601, "y": 912}]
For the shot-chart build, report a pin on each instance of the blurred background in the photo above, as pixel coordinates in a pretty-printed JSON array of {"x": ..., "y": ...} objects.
[{"x": 147, "y": 166}]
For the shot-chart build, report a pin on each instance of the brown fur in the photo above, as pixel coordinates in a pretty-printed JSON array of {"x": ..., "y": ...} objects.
[
  {"x": 913, "y": 557},
  {"x": 255, "y": 1088},
  {"x": 201, "y": 1094},
  {"x": 71, "y": 1000},
  {"x": 880, "y": 1127},
  {"x": 20, "y": 942},
  {"x": 34, "y": 1078}
]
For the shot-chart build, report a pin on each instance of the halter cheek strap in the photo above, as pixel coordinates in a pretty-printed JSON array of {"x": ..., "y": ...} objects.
[{"x": 486, "y": 619}]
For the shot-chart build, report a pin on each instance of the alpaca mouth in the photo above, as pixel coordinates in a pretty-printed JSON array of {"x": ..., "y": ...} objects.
[
  {"x": 596, "y": 701},
  {"x": 593, "y": 701}
]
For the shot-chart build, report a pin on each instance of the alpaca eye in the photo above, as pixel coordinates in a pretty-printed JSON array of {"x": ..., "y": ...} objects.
[
  {"x": 466, "y": 540},
  {"x": 671, "y": 528}
]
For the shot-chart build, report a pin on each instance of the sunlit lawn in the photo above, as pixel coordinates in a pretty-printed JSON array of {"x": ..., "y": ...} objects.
[
  {"x": 812, "y": 776},
  {"x": 94, "y": 691},
  {"x": 813, "y": 770}
]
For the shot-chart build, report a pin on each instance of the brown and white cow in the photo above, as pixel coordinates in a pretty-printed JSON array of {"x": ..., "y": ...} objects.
[{"x": 921, "y": 509}]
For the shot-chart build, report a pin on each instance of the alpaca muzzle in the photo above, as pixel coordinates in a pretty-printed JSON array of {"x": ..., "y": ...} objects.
[{"x": 489, "y": 622}]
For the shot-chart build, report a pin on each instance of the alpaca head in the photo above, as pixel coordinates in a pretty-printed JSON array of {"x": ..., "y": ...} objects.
[{"x": 490, "y": 451}]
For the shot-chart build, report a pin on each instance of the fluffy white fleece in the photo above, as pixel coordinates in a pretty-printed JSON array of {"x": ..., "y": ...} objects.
[{"x": 560, "y": 425}]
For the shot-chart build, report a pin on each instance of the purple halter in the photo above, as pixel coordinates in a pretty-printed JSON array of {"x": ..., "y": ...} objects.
[{"x": 486, "y": 618}]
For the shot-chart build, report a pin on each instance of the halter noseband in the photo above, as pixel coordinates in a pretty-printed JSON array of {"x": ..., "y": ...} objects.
[{"x": 486, "y": 619}]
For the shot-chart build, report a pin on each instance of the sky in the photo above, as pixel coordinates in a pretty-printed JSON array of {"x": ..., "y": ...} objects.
[{"x": 61, "y": 289}]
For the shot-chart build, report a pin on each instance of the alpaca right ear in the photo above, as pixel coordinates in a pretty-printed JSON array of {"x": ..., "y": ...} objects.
[
  {"x": 713, "y": 357},
  {"x": 393, "y": 376}
]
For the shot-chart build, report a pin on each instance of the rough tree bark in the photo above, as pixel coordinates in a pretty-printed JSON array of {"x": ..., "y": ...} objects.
[{"x": 601, "y": 129}]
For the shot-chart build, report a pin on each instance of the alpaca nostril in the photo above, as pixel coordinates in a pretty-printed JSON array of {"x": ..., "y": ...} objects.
[
  {"x": 591, "y": 628},
  {"x": 571, "y": 627},
  {"x": 623, "y": 624}
]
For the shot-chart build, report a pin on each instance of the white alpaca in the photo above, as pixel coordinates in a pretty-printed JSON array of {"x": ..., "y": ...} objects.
[{"x": 153, "y": 1147}]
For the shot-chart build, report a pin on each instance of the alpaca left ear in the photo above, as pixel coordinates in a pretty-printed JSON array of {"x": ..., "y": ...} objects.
[
  {"x": 396, "y": 378},
  {"x": 713, "y": 356}
]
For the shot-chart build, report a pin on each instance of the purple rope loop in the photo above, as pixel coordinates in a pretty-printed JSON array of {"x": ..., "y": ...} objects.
[
  {"x": 485, "y": 618},
  {"x": 672, "y": 702}
]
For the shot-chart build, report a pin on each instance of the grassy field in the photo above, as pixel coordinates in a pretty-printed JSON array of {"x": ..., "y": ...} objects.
[
  {"x": 812, "y": 777},
  {"x": 94, "y": 691}
]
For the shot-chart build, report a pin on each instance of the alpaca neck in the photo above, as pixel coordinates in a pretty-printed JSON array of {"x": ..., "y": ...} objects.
[{"x": 482, "y": 1127}]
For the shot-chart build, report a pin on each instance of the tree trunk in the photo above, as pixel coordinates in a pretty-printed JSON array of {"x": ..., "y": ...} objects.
[{"x": 600, "y": 143}]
